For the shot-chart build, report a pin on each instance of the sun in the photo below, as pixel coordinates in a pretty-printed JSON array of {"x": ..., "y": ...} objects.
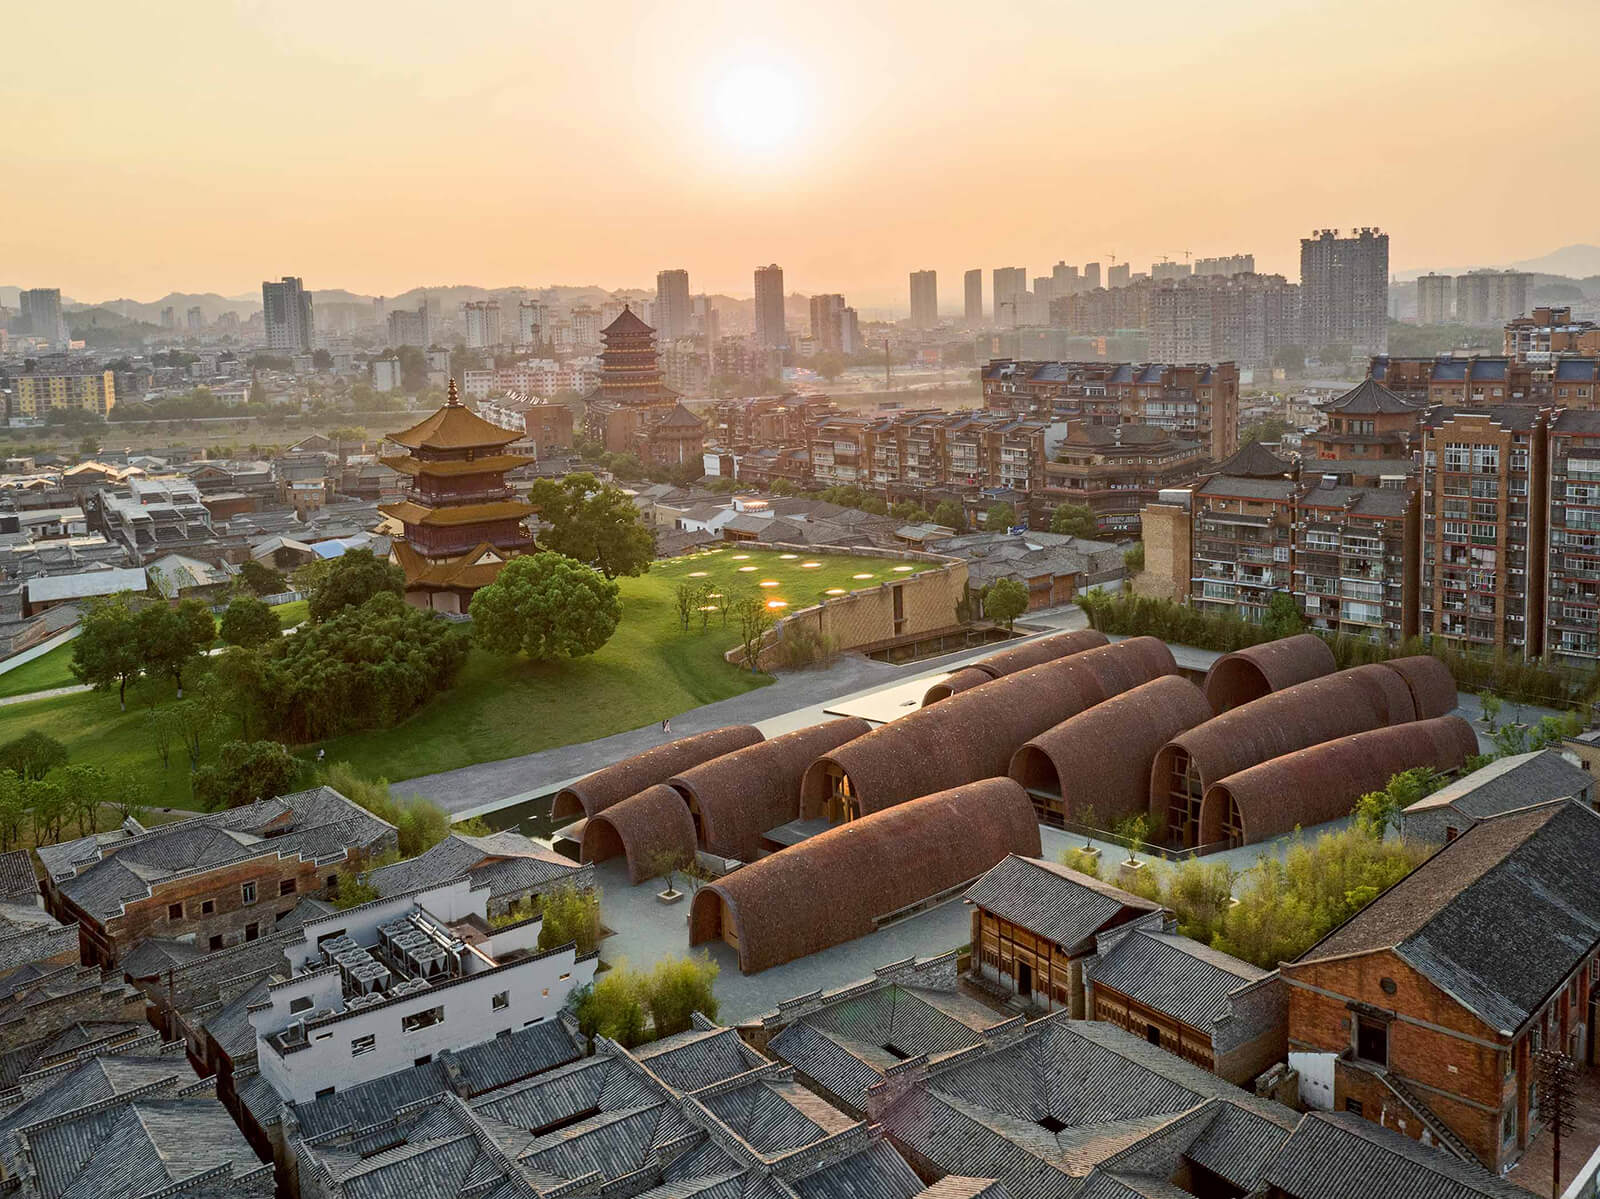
[{"x": 757, "y": 105}]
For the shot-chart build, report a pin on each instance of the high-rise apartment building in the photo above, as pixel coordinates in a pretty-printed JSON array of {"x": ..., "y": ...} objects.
[
  {"x": 530, "y": 322},
  {"x": 1227, "y": 264},
  {"x": 286, "y": 310},
  {"x": 674, "y": 312},
  {"x": 33, "y": 396},
  {"x": 40, "y": 308},
  {"x": 1344, "y": 285},
  {"x": 771, "y": 333},
  {"x": 827, "y": 323},
  {"x": 1434, "y": 299},
  {"x": 1242, "y": 318},
  {"x": 1490, "y": 297},
  {"x": 481, "y": 319},
  {"x": 1064, "y": 280},
  {"x": 972, "y": 285},
  {"x": 1550, "y": 331},
  {"x": 924, "y": 299},
  {"x": 1169, "y": 270},
  {"x": 586, "y": 325},
  {"x": 409, "y": 328},
  {"x": 195, "y": 319},
  {"x": 1010, "y": 285},
  {"x": 1119, "y": 275},
  {"x": 1091, "y": 276}
]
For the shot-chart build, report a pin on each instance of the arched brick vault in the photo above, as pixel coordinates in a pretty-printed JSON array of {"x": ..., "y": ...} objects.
[
  {"x": 1009, "y": 661},
  {"x": 646, "y": 827},
  {"x": 737, "y": 797},
  {"x": 1101, "y": 757},
  {"x": 1248, "y": 674},
  {"x": 973, "y": 734},
  {"x": 1323, "y": 782},
  {"x": 830, "y": 888},
  {"x": 596, "y": 792}
]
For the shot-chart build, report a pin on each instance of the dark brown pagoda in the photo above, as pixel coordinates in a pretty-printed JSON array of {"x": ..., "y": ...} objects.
[
  {"x": 462, "y": 522},
  {"x": 633, "y": 411}
]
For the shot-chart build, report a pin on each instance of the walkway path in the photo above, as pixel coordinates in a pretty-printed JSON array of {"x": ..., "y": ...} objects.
[{"x": 28, "y": 697}]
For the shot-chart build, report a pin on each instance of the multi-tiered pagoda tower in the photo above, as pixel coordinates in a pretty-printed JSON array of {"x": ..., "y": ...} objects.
[
  {"x": 462, "y": 521},
  {"x": 633, "y": 411}
]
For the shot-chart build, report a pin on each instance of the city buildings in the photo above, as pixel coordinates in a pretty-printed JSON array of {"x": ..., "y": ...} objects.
[
  {"x": 972, "y": 296},
  {"x": 1010, "y": 285},
  {"x": 409, "y": 328},
  {"x": 633, "y": 411},
  {"x": 827, "y": 323},
  {"x": 1490, "y": 297},
  {"x": 481, "y": 320},
  {"x": 1367, "y": 422},
  {"x": 770, "y": 330},
  {"x": 1246, "y": 318},
  {"x": 1344, "y": 283},
  {"x": 674, "y": 312},
  {"x": 1548, "y": 331},
  {"x": 34, "y": 395},
  {"x": 40, "y": 309},
  {"x": 1227, "y": 264},
  {"x": 530, "y": 323},
  {"x": 462, "y": 520},
  {"x": 924, "y": 299},
  {"x": 1571, "y": 566},
  {"x": 286, "y": 309},
  {"x": 1435, "y": 300},
  {"x": 1115, "y": 471}
]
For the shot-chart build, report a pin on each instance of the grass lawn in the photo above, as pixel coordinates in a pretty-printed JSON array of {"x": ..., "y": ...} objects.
[
  {"x": 292, "y": 613},
  {"x": 43, "y": 673},
  {"x": 500, "y": 707}
]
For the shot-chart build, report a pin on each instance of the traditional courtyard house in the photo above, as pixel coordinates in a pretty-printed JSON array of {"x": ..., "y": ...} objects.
[
  {"x": 219, "y": 879},
  {"x": 1424, "y": 1011},
  {"x": 1034, "y": 925},
  {"x": 516, "y": 869},
  {"x": 1504, "y": 785},
  {"x": 1224, "y": 1015},
  {"x": 462, "y": 520}
]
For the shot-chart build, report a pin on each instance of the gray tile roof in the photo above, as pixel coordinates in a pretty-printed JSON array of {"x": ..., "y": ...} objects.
[
  {"x": 1509, "y": 783},
  {"x": 1334, "y": 1155},
  {"x": 1187, "y": 980},
  {"x": 17, "y": 880},
  {"x": 1498, "y": 918},
  {"x": 510, "y": 863},
  {"x": 1061, "y": 905}
]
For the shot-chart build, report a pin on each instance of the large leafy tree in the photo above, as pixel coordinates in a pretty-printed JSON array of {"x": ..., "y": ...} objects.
[
  {"x": 1074, "y": 520},
  {"x": 593, "y": 523},
  {"x": 354, "y": 578},
  {"x": 1005, "y": 600},
  {"x": 250, "y": 623},
  {"x": 948, "y": 513},
  {"x": 999, "y": 518},
  {"x": 246, "y": 771},
  {"x": 32, "y": 755},
  {"x": 106, "y": 652},
  {"x": 546, "y": 606},
  {"x": 262, "y": 579}
]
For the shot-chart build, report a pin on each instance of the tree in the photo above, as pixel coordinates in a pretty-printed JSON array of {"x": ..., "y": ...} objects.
[
  {"x": 1132, "y": 833},
  {"x": 1271, "y": 429},
  {"x": 106, "y": 652},
  {"x": 1283, "y": 617},
  {"x": 1005, "y": 600},
  {"x": 89, "y": 446},
  {"x": 249, "y": 623},
  {"x": 13, "y": 809},
  {"x": 192, "y": 720},
  {"x": 1133, "y": 558},
  {"x": 755, "y": 621},
  {"x": 999, "y": 518},
  {"x": 48, "y": 803},
  {"x": 678, "y": 988},
  {"x": 351, "y": 580},
  {"x": 612, "y": 1007},
  {"x": 569, "y": 915},
  {"x": 1491, "y": 705},
  {"x": 246, "y": 771},
  {"x": 239, "y": 681},
  {"x": 83, "y": 789},
  {"x": 547, "y": 606},
  {"x": 1378, "y": 811},
  {"x": 910, "y": 513},
  {"x": 32, "y": 755},
  {"x": 949, "y": 514},
  {"x": 593, "y": 523},
  {"x": 351, "y": 889},
  {"x": 261, "y": 579},
  {"x": 172, "y": 638},
  {"x": 1074, "y": 520}
]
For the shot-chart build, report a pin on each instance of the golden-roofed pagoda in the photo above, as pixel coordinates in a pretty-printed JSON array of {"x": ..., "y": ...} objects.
[{"x": 462, "y": 521}]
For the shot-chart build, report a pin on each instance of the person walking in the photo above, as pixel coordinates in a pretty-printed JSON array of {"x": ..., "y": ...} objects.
[{"x": 666, "y": 725}]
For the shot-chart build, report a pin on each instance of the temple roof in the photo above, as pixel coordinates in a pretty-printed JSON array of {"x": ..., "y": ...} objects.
[
  {"x": 681, "y": 417},
  {"x": 453, "y": 467},
  {"x": 412, "y": 513},
  {"x": 454, "y": 427},
  {"x": 1369, "y": 396},
  {"x": 627, "y": 322},
  {"x": 1255, "y": 461},
  {"x": 477, "y": 568}
]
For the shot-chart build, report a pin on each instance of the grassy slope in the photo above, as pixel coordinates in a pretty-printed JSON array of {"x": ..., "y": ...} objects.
[
  {"x": 41, "y": 674},
  {"x": 499, "y": 708}
]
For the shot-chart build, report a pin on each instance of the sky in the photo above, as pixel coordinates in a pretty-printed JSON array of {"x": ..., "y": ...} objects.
[{"x": 207, "y": 145}]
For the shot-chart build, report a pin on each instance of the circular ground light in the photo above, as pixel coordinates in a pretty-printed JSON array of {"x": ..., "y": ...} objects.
[
  {"x": 746, "y": 569},
  {"x": 767, "y": 583},
  {"x": 860, "y": 576}
]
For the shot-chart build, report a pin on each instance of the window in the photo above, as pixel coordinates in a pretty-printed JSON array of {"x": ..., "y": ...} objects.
[
  {"x": 1353, "y": 1106},
  {"x": 420, "y": 1020},
  {"x": 301, "y": 1004},
  {"x": 247, "y": 892},
  {"x": 252, "y": 931},
  {"x": 1508, "y": 1123},
  {"x": 1372, "y": 1041},
  {"x": 325, "y": 1092},
  {"x": 215, "y": 943},
  {"x": 208, "y": 907},
  {"x": 286, "y": 887},
  {"x": 365, "y": 1044},
  {"x": 423, "y": 1060},
  {"x": 174, "y": 911},
  {"x": 500, "y": 1001}
]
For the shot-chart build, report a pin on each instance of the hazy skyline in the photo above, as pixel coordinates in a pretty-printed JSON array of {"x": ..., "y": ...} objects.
[{"x": 376, "y": 147}]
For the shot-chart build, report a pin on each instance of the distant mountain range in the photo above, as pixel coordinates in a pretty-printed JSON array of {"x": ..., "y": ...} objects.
[{"x": 1575, "y": 262}]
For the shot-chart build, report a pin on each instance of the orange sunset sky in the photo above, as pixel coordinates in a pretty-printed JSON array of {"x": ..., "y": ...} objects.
[{"x": 378, "y": 146}]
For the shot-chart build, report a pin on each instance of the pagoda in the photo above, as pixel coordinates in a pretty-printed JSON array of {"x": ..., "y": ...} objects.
[
  {"x": 462, "y": 521},
  {"x": 633, "y": 411}
]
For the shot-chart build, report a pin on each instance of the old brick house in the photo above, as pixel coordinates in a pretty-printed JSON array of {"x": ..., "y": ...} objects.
[
  {"x": 1424, "y": 1011},
  {"x": 216, "y": 880}
]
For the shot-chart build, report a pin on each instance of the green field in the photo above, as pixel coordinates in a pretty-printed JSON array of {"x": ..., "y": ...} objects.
[
  {"x": 502, "y": 707},
  {"x": 45, "y": 672}
]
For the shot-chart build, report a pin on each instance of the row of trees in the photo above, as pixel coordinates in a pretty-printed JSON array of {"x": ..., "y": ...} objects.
[
  {"x": 122, "y": 638},
  {"x": 632, "y": 1007},
  {"x": 43, "y": 796}
]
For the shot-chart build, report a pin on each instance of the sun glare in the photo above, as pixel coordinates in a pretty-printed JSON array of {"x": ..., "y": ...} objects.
[{"x": 757, "y": 105}]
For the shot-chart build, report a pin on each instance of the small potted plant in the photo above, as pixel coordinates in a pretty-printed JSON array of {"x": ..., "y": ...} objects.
[
  {"x": 1089, "y": 819},
  {"x": 1132, "y": 832},
  {"x": 665, "y": 866}
]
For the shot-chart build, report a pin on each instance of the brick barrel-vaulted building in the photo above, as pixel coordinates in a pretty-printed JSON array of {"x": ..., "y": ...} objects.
[
  {"x": 220, "y": 879},
  {"x": 1423, "y": 1012}
]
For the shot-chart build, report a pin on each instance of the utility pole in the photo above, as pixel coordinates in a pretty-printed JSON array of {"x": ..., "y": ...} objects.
[{"x": 1557, "y": 1083}]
